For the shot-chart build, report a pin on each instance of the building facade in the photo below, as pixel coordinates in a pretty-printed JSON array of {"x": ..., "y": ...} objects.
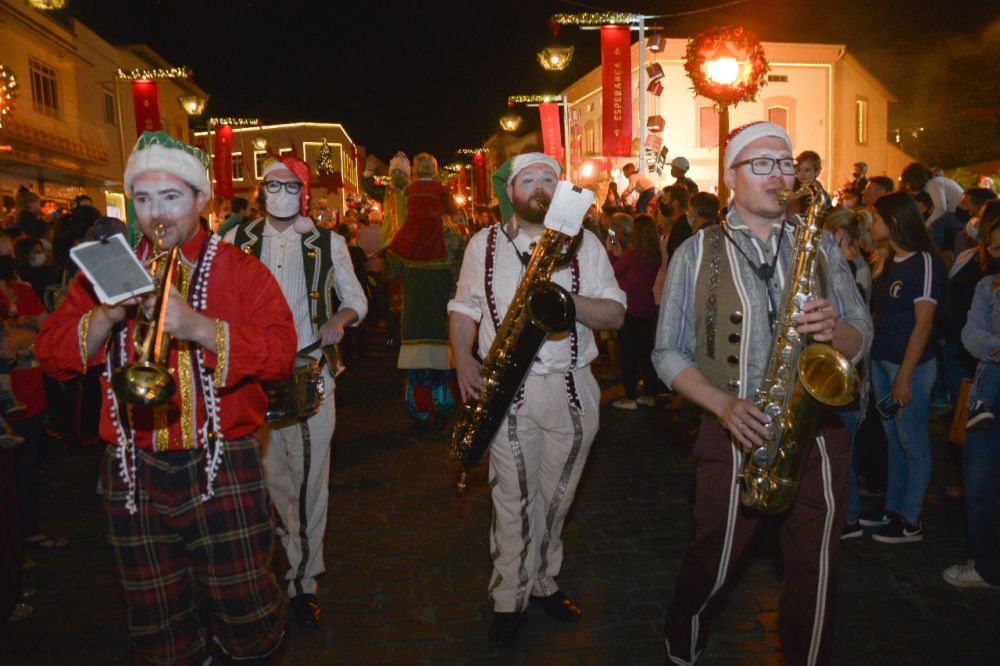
[
  {"x": 826, "y": 100},
  {"x": 252, "y": 145},
  {"x": 73, "y": 122}
]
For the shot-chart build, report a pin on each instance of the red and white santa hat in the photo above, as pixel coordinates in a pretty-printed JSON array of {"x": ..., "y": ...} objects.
[{"x": 741, "y": 137}]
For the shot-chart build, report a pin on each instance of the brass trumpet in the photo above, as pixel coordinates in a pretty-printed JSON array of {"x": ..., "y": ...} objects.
[{"x": 147, "y": 381}]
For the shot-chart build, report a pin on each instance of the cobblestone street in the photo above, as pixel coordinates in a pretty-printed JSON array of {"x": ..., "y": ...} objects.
[{"x": 408, "y": 562}]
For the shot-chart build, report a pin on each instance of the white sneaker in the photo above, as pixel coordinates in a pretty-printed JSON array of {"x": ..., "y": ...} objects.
[
  {"x": 625, "y": 403},
  {"x": 647, "y": 400},
  {"x": 964, "y": 575}
]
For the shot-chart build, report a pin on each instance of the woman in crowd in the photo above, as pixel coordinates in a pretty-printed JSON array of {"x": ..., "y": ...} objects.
[
  {"x": 852, "y": 229},
  {"x": 981, "y": 454},
  {"x": 969, "y": 268},
  {"x": 909, "y": 282},
  {"x": 636, "y": 261}
]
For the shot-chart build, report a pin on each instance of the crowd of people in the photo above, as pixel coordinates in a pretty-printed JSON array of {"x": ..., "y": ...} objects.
[{"x": 674, "y": 283}]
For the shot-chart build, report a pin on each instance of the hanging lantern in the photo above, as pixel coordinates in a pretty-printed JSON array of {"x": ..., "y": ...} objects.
[
  {"x": 260, "y": 142},
  {"x": 193, "y": 105},
  {"x": 555, "y": 58},
  {"x": 656, "y": 43},
  {"x": 654, "y": 71},
  {"x": 655, "y": 87},
  {"x": 655, "y": 123},
  {"x": 509, "y": 122}
]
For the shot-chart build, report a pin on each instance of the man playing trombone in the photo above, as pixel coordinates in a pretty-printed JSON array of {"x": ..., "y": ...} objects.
[{"x": 188, "y": 513}]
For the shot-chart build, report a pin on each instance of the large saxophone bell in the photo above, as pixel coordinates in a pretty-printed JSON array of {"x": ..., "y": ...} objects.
[{"x": 147, "y": 381}]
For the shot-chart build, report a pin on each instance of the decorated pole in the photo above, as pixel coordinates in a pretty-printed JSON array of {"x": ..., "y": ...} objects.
[{"x": 726, "y": 65}]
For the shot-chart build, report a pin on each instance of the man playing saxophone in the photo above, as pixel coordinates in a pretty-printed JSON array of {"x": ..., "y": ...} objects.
[
  {"x": 719, "y": 309},
  {"x": 541, "y": 447},
  {"x": 188, "y": 513}
]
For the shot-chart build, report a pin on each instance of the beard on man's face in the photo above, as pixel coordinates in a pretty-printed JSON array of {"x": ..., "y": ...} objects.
[{"x": 530, "y": 208}]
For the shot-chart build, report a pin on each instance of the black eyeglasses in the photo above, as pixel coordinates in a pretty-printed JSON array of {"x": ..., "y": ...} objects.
[
  {"x": 763, "y": 166},
  {"x": 274, "y": 186}
]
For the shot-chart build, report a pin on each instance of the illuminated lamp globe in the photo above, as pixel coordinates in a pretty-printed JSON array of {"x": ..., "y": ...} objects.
[
  {"x": 509, "y": 122},
  {"x": 460, "y": 199},
  {"x": 193, "y": 105},
  {"x": 555, "y": 58},
  {"x": 587, "y": 170},
  {"x": 260, "y": 142},
  {"x": 723, "y": 68}
]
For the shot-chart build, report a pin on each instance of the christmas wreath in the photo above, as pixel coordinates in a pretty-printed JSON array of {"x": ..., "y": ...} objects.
[
  {"x": 709, "y": 42},
  {"x": 8, "y": 91}
]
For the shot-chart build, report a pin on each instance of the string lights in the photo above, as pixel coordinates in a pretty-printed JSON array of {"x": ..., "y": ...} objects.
[
  {"x": 153, "y": 74},
  {"x": 8, "y": 91},
  {"x": 234, "y": 122},
  {"x": 597, "y": 18},
  {"x": 533, "y": 99}
]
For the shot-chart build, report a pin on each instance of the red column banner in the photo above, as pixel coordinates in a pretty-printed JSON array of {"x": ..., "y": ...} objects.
[
  {"x": 482, "y": 194},
  {"x": 222, "y": 166},
  {"x": 463, "y": 181},
  {"x": 551, "y": 135},
  {"x": 616, "y": 85},
  {"x": 147, "y": 106}
]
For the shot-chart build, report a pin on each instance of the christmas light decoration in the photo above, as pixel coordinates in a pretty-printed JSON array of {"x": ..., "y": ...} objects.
[
  {"x": 471, "y": 151},
  {"x": 726, "y": 64},
  {"x": 8, "y": 91},
  {"x": 47, "y": 5},
  {"x": 153, "y": 74},
  {"x": 509, "y": 122},
  {"x": 324, "y": 162},
  {"x": 533, "y": 99},
  {"x": 597, "y": 18},
  {"x": 234, "y": 122},
  {"x": 555, "y": 58}
]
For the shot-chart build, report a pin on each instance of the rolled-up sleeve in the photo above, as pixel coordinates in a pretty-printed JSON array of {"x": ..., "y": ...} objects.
[
  {"x": 345, "y": 280},
  {"x": 470, "y": 294},
  {"x": 674, "y": 351},
  {"x": 977, "y": 337},
  {"x": 599, "y": 276},
  {"x": 845, "y": 296}
]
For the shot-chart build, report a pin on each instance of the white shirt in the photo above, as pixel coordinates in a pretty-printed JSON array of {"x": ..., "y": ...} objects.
[
  {"x": 281, "y": 252},
  {"x": 597, "y": 280}
]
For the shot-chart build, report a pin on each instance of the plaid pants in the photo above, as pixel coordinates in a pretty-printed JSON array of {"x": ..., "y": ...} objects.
[{"x": 194, "y": 570}]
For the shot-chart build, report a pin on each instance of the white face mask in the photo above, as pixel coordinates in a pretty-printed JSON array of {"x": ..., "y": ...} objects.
[
  {"x": 37, "y": 259},
  {"x": 282, "y": 204},
  {"x": 972, "y": 228}
]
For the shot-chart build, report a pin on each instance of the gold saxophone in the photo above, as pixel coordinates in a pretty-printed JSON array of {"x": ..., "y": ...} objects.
[
  {"x": 800, "y": 380},
  {"x": 539, "y": 308}
]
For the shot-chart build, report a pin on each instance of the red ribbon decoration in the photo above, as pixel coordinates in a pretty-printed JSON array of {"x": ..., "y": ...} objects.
[
  {"x": 146, "y": 101},
  {"x": 223, "y": 164},
  {"x": 551, "y": 135},
  {"x": 616, "y": 85},
  {"x": 482, "y": 194}
]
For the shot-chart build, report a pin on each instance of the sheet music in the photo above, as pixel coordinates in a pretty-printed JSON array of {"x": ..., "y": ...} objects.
[{"x": 113, "y": 269}]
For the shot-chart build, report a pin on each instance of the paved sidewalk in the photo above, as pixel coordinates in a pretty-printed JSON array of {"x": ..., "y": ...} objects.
[{"x": 408, "y": 562}]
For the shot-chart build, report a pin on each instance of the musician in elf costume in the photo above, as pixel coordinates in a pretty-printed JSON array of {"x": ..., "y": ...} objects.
[{"x": 310, "y": 264}]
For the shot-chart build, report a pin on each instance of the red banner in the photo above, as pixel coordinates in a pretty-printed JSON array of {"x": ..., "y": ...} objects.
[
  {"x": 482, "y": 194},
  {"x": 551, "y": 135},
  {"x": 616, "y": 84},
  {"x": 147, "y": 106},
  {"x": 222, "y": 166}
]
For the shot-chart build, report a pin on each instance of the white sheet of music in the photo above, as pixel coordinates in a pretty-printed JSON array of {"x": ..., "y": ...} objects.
[{"x": 113, "y": 269}]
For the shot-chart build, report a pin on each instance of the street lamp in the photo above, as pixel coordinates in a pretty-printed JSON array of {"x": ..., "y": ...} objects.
[
  {"x": 555, "y": 58},
  {"x": 509, "y": 122},
  {"x": 726, "y": 65},
  {"x": 260, "y": 142},
  {"x": 193, "y": 105}
]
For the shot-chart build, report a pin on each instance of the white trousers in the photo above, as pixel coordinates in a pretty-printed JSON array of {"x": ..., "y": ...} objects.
[
  {"x": 536, "y": 461},
  {"x": 297, "y": 471}
]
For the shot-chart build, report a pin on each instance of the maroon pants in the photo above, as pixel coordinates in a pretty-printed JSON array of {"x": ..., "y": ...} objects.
[{"x": 809, "y": 535}]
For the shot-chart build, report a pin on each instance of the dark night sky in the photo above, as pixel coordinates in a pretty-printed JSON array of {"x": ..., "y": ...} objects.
[{"x": 435, "y": 75}]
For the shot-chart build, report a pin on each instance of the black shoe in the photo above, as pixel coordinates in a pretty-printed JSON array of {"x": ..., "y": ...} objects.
[
  {"x": 852, "y": 531},
  {"x": 504, "y": 628},
  {"x": 874, "y": 518},
  {"x": 899, "y": 530},
  {"x": 306, "y": 609},
  {"x": 559, "y": 606}
]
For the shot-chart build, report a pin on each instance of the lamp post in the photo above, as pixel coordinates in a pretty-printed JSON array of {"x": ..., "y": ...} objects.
[
  {"x": 726, "y": 65},
  {"x": 535, "y": 100}
]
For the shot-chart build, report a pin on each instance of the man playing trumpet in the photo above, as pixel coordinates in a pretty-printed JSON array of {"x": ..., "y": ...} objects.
[{"x": 188, "y": 512}]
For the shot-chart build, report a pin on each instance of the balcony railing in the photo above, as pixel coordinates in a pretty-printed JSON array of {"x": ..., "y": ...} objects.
[{"x": 76, "y": 138}]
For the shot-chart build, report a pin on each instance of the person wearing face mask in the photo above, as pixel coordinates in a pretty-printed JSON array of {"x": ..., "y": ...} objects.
[
  {"x": 967, "y": 213},
  {"x": 32, "y": 266},
  {"x": 539, "y": 453},
  {"x": 311, "y": 265}
]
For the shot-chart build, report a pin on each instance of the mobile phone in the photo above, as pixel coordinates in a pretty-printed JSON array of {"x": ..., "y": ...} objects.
[{"x": 886, "y": 407}]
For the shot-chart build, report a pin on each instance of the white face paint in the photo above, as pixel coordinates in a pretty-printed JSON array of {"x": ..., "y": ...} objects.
[
  {"x": 164, "y": 200},
  {"x": 283, "y": 205}
]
